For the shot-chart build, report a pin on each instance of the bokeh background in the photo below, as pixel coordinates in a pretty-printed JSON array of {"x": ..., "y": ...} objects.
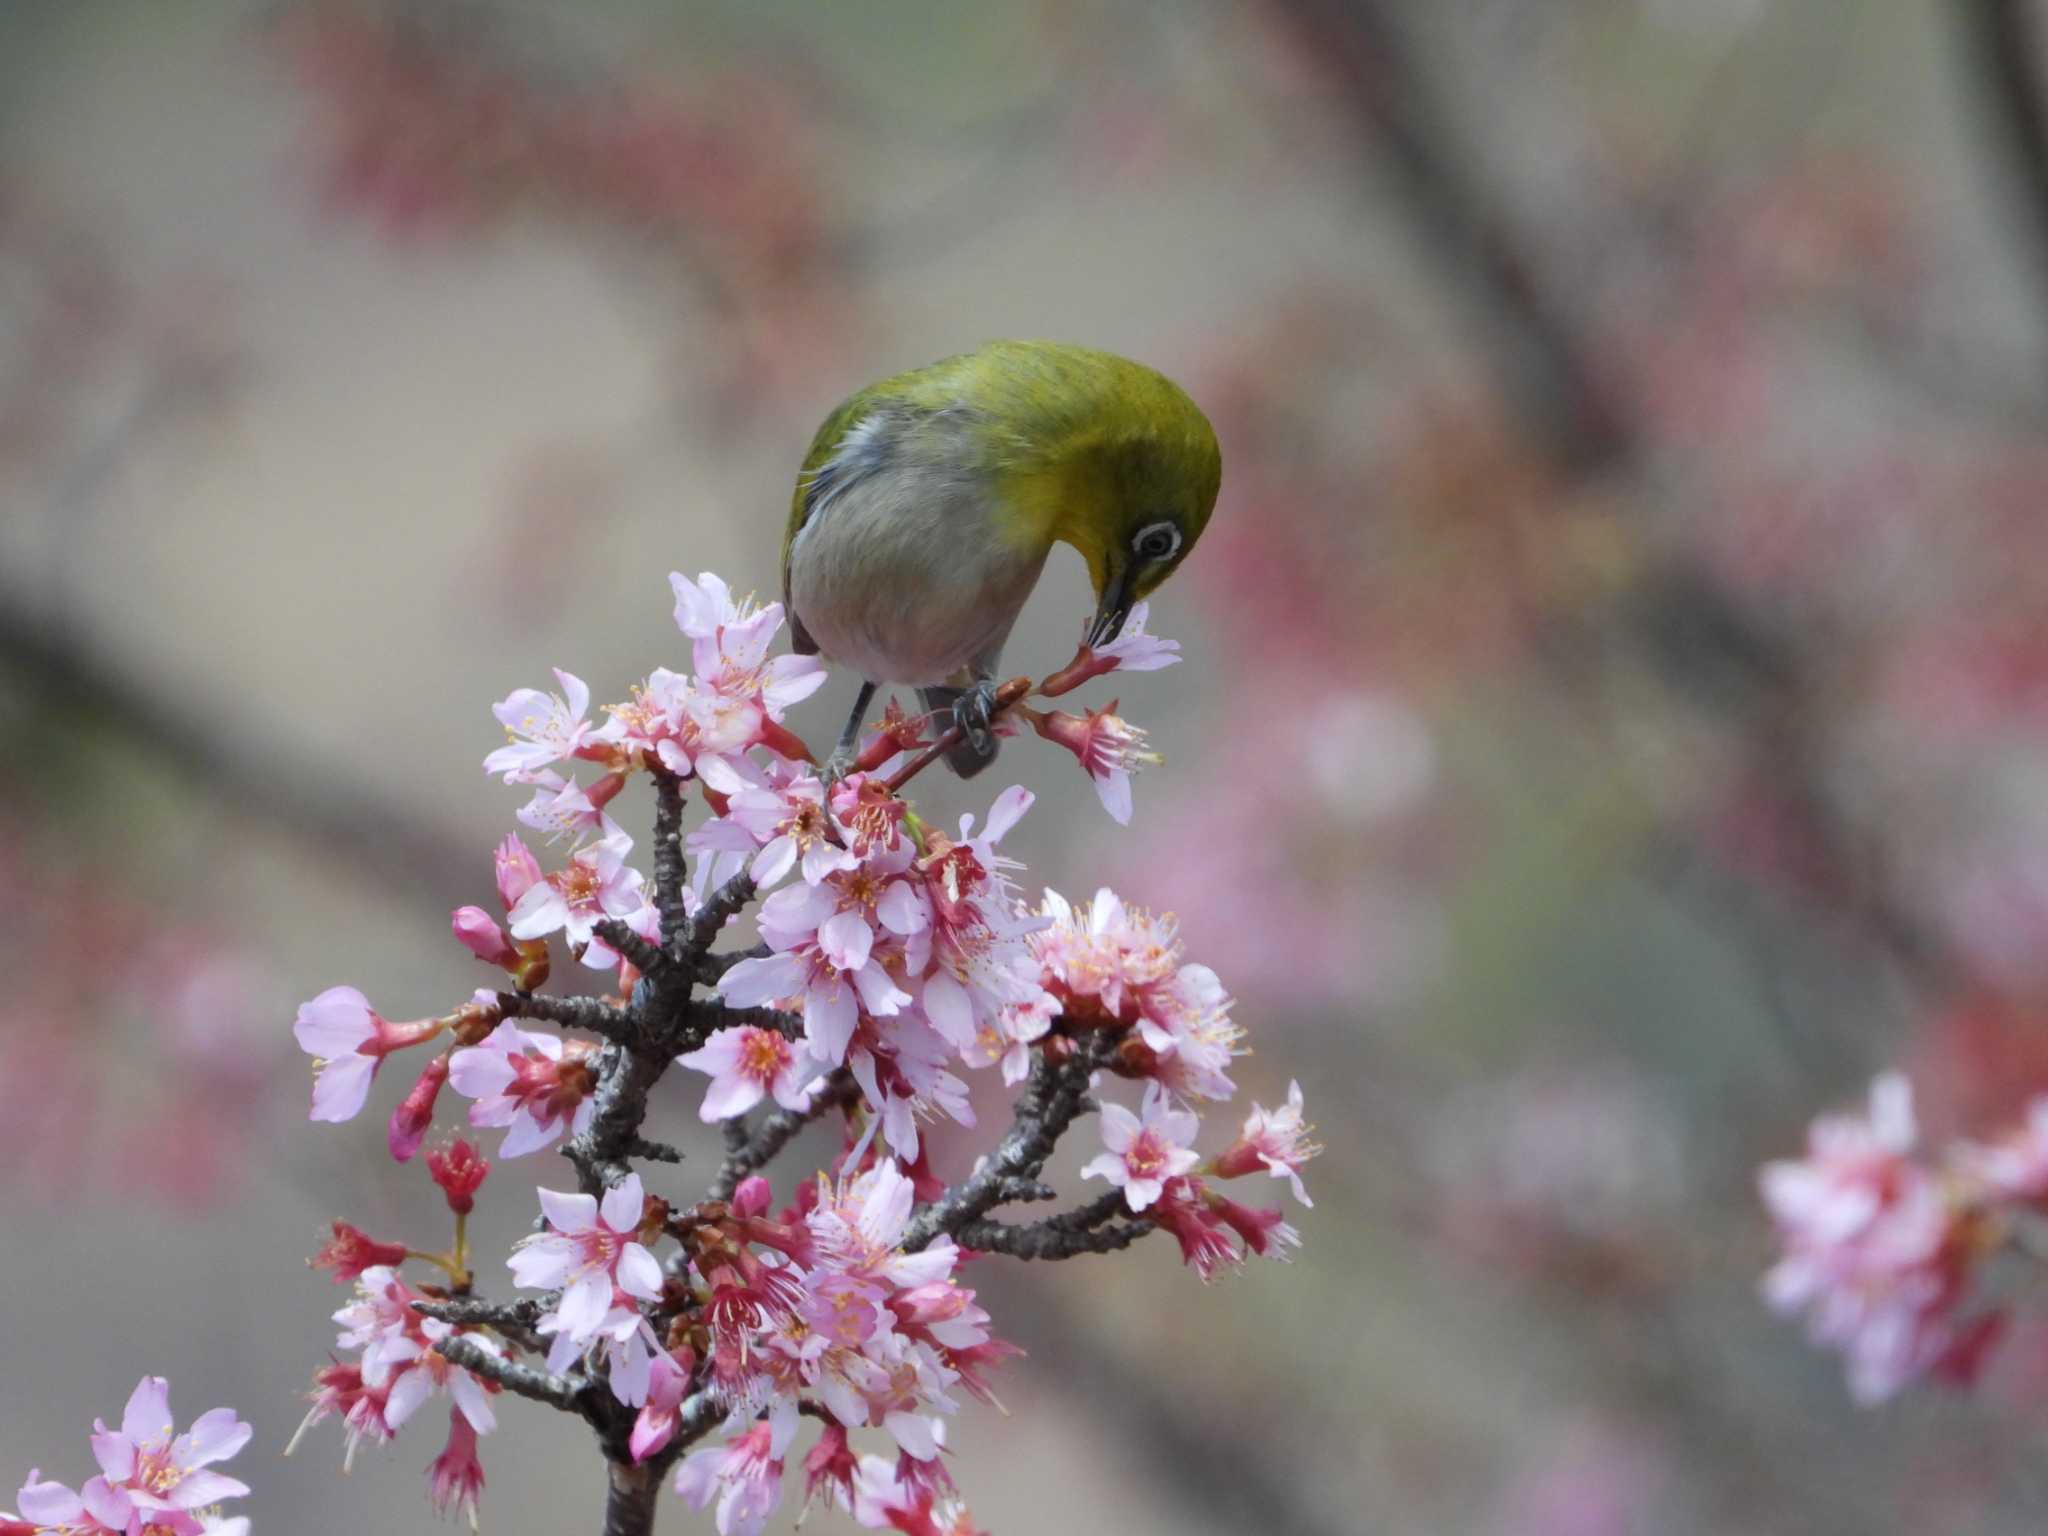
[{"x": 1615, "y": 720}]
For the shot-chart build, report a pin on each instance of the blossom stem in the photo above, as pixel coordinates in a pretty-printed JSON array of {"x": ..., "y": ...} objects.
[{"x": 1010, "y": 694}]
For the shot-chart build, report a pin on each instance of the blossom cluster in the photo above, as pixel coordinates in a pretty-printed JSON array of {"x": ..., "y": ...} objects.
[
  {"x": 1886, "y": 1251},
  {"x": 152, "y": 1480},
  {"x": 894, "y": 959}
]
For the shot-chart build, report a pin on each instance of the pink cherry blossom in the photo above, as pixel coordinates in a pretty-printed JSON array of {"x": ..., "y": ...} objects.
[
  {"x": 415, "y": 1112},
  {"x": 1109, "y": 747},
  {"x": 1146, "y": 1149},
  {"x": 563, "y": 808},
  {"x": 455, "y": 1480},
  {"x": 398, "y": 1356},
  {"x": 2016, "y": 1166},
  {"x": 339, "y": 1389},
  {"x": 350, "y": 1251},
  {"x": 348, "y": 1041},
  {"x": 598, "y": 883},
  {"x": 668, "y": 1383},
  {"x": 158, "y": 1469},
  {"x": 1277, "y": 1140},
  {"x": 1875, "y": 1254},
  {"x": 541, "y": 728},
  {"x": 1131, "y": 651},
  {"x": 460, "y": 1171},
  {"x": 790, "y": 826},
  {"x": 746, "y": 1064},
  {"x": 97, "y": 1507},
  {"x": 744, "y": 1475},
  {"x": 528, "y": 1081},
  {"x": 591, "y": 1255}
]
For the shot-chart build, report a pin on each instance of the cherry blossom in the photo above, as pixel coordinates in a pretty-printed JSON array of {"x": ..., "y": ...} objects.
[
  {"x": 528, "y": 1081},
  {"x": 598, "y": 883},
  {"x": 542, "y": 728},
  {"x": 1109, "y": 747},
  {"x": 744, "y": 1475},
  {"x": 159, "y": 1469},
  {"x": 591, "y": 1255},
  {"x": 1876, "y": 1255},
  {"x": 348, "y": 1041},
  {"x": 745, "y": 1065},
  {"x": 398, "y": 1358},
  {"x": 455, "y": 1480},
  {"x": 1145, "y": 1149},
  {"x": 2016, "y": 1166},
  {"x": 1277, "y": 1140}
]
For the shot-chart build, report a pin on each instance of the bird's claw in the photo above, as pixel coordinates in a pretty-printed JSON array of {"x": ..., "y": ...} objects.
[
  {"x": 837, "y": 767},
  {"x": 973, "y": 712}
]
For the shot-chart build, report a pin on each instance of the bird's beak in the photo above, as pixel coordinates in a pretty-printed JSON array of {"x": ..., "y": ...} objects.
[{"x": 1111, "y": 609}]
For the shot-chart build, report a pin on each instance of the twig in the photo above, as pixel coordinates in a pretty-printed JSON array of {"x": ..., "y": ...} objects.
[
  {"x": 1045, "y": 1240},
  {"x": 725, "y": 902},
  {"x": 584, "y": 1013},
  {"x": 1049, "y": 1104},
  {"x": 2005, "y": 38},
  {"x": 648, "y": 957},
  {"x": 526, "y": 1380},
  {"x": 669, "y": 871},
  {"x": 713, "y": 1014},
  {"x": 777, "y": 1131},
  {"x": 1015, "y": 691},
  {"x": 525, "y": 1313}
]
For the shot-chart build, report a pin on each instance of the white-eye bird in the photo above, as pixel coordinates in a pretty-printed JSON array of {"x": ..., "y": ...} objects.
[{"x": 929, "y": 502}]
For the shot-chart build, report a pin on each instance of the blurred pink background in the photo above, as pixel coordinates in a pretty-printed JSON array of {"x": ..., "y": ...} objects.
[{"x": 1615, "y": 718}]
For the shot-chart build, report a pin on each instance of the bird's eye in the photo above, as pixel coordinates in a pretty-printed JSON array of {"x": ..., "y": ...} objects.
[{"x": 1156, "y": 541}]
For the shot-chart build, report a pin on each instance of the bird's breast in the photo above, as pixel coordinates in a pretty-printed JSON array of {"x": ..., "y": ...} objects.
[{"x": 911, "y": 574}]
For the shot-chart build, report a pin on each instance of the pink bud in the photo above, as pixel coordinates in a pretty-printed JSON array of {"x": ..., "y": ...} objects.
[
  {"x": 415, "y": 1111},
  {"x": 753, "y": 1197},
  {"x": 478, "y": 932},
  {"x": 459, "y": 1169},
  {"x": 518, "y": 870}
]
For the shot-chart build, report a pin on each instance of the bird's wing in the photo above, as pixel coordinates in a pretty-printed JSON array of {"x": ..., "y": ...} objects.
[{"x": 834, "y": 462}]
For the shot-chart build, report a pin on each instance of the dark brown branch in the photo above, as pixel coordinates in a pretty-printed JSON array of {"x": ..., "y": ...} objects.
[
  {"x": 776, "y": 1131},
  {"x": 1085, "y": 1218},
  {"x": 713, "y": 1015},
  {"x": 630, "y": 1499},
  {"x": 522, "y": 1314},
  {"x": 1051, "y": 1100},
  {"x": 711, "y": 969},
  {"x": 526, "y": 1380},
  {"x": 584, "y": 1013},
  {"x": 724, "y": 903},
  {"x": 644, "y": 955},
  {"x": 1046, "y": 1240},
  {"x": 624, "y": 1076},
  {"x": 669, "y": 871}
]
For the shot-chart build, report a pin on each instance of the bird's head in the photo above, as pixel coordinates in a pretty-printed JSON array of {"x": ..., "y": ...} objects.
[{"x": 1138, "y": 493}]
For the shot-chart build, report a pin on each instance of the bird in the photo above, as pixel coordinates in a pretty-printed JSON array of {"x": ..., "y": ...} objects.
[{"x": 929, "y": 501}]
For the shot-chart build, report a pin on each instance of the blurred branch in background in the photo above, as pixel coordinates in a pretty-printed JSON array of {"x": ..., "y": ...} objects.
[{"x": 2004, "y": 49}]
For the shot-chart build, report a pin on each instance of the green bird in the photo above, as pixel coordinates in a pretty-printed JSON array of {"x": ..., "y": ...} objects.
[{"x": 929, "y": 501}]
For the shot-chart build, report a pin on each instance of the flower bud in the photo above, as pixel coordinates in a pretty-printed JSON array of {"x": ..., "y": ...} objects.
[
  {"x": 517, "y": 869},
  {"x": 753, "y": 1197},
  {"x": 459, "y": 1168},
  {"x": 415, "y": 1112},
  {"x": 478, "y": 932}
]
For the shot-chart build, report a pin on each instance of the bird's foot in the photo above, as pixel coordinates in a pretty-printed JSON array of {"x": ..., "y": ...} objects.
[
  {"x": 973, "y": 712},
  {"x": 837, "y": 767}
]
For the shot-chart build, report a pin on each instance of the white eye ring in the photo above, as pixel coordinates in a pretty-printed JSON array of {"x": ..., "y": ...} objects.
[{"x": 1145, "y": 536}]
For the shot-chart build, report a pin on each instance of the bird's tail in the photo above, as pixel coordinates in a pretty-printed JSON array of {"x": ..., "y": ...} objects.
[{"x": 961, "y": 757}]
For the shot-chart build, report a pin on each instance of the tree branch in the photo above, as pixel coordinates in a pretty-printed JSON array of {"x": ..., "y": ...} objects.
[
  {"x": 2004, "y": 37},
  {"x": 1051, "y": 1100},
  {"x": 669, "y": 868},
  {"x": 647, "y": 957},
  {"x": 725, "y": 902},
  {"x": 1047, "y": 1240},
  {"x": 584, "y": 1013},
  {"x": 523, "y": 1314},
  {"x": 526, "y": 1380},
  {"x": 776, "y": 1131}
]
